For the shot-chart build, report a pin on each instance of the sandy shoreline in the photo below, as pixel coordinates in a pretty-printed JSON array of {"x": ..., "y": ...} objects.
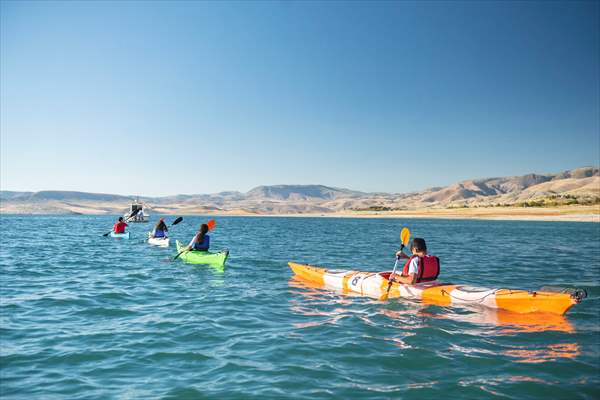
[
  {"x": 575, "y": 217},
  {"x": 578, "y": 214},
  {"x": 567, "y": 213}
]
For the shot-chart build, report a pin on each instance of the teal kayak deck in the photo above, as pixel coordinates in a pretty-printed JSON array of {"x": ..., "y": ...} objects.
[{"x": 120, "y": 235}]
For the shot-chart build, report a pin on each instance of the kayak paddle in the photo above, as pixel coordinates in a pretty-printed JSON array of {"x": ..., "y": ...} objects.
[
  {"x": 133, "y": 214},
  {"x": 178, "y": 220},
  {"x": 404, "y": 238},
  {"x": 211, "y": 225}
]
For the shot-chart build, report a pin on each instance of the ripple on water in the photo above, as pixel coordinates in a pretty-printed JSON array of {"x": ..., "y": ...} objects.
[{"x": 94, "y": 317}]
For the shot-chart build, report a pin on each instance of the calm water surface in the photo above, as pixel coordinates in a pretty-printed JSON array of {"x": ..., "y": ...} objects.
[{"x": 88, "y": 317}]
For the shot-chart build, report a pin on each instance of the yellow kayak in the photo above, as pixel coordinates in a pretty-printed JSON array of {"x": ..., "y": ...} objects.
[{"x": 375, "y": 285}]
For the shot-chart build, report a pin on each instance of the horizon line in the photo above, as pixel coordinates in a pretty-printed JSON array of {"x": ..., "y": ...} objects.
[{"x": 288, "y": 184}]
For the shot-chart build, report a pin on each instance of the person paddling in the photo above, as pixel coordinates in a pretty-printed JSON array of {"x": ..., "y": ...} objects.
[
  {"x": 160, "y": 230},
  {"x": 201, "y": 240},
  {"x": 420, "y": 267},
  {"x": 119, "y": 226}
]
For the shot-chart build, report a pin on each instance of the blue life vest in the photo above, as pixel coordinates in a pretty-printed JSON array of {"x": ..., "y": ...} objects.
[
  {"x": 204, "y": 245},
  {"x": 159, "y": 233}
]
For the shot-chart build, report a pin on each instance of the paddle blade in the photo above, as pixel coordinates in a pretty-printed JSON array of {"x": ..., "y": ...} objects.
[
  {"x": 211, "y": 224},
  {"x": 404, "y": 236},
  {"x": 178, "y": 220}
]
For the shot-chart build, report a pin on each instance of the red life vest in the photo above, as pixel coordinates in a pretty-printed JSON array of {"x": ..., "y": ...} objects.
[
  {"x": 119, "y": 227},
  {"x": 429, "y": 268}
]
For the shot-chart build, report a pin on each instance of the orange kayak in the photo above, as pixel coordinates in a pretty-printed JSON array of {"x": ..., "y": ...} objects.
[{"x": 375, "y": 285}]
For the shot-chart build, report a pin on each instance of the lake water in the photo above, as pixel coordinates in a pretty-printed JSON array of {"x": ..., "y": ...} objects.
[{"x": 91, "y": 317}]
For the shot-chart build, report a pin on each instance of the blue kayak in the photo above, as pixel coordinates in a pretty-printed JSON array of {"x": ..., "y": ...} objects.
[{"x": 120, "y": 235}]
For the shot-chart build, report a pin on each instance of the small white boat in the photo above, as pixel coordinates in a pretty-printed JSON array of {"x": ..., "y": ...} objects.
[
  {"x": 140, "y": 216},
  {"x": 162, "y": 242}
]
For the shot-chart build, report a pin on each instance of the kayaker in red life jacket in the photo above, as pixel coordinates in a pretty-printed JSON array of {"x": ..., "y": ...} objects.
[
  {"x": 120, "y": 226},
  {"x": 201, "y": 240},
  {"x": 420, "y": 267}
]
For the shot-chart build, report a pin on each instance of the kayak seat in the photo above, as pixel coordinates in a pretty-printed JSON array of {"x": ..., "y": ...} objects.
[{"x": 386, "y": 275}]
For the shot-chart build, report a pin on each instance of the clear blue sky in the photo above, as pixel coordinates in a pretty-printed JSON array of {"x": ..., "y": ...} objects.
[{"x": 164, "y": 98}]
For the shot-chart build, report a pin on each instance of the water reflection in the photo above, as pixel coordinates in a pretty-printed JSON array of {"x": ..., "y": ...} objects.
[
  {"x": 316, "y": 296},
  {"x": 544, "y": 354},
  {"x": 507, "y": 322}
]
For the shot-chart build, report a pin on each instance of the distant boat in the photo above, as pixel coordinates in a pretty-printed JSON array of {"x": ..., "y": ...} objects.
[{"x": 141, "y": 216}]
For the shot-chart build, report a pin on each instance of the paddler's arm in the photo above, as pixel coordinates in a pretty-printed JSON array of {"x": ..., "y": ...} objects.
[
  {"x": 193, "y": 242},
  {"x": 409, "y": 280},
  {"x": 400, "y": 254}
]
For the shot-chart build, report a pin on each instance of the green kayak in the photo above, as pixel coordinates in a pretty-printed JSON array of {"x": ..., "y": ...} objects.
[{"x": 202, "y": 257}]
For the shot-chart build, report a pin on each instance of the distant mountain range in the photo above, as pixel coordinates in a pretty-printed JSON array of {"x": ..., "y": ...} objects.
[{"x": 581, "y": 185}]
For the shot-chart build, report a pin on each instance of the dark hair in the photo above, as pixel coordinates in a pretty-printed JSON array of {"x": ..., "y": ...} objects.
[
  {"x": 120, "y": 218},
  {"x": 203, "y": 230},
  {"x": 161, "y": 225},
  {"x": 419, "y": 244}
]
